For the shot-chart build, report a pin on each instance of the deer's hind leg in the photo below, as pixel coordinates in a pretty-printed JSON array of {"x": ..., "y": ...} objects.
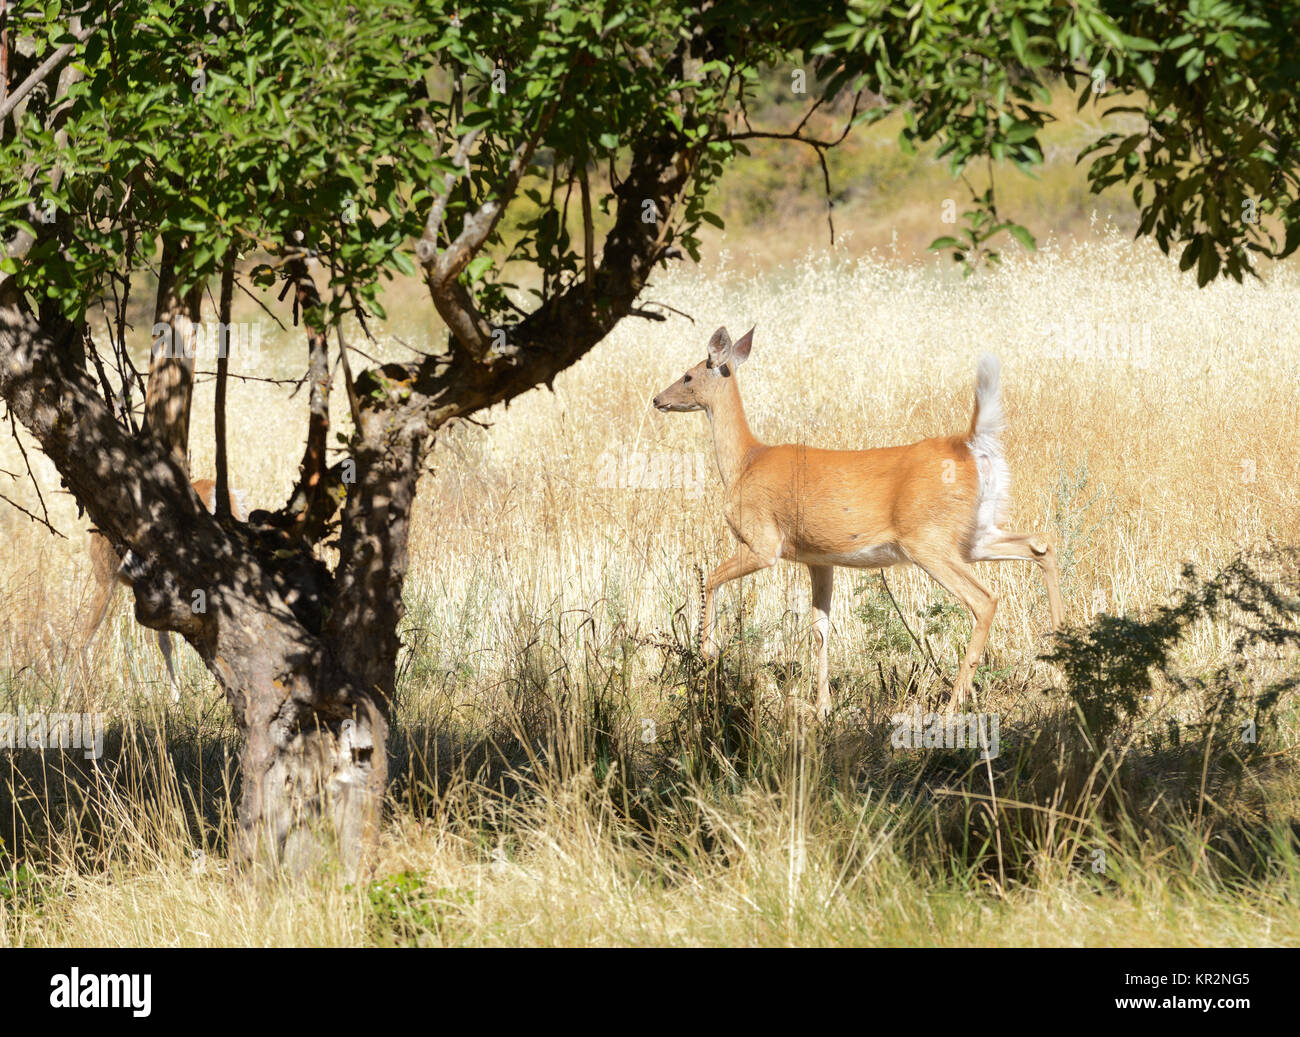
[
  {"x": 104, "y": 565},
  {"x": 822, "y": 581},
  {"x": 1031, "y": 547},
  {"x": 959, "y": 579},
  {"x": 165, "y": 646}
]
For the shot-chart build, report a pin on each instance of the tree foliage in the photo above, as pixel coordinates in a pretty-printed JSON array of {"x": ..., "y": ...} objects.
[{"x": 1208, "y": 89}]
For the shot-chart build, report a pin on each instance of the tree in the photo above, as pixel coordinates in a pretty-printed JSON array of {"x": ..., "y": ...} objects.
[
  {"x": 364, "y": 136},
  {"x": 396, "y": 136}
]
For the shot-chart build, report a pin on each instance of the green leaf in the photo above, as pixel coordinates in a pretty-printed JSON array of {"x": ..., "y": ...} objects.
[
  {"x": 403, "y": 263},
  {"x": 1022, "y": 235},
  {"x": 1207, "y": 267},
  {"x": 1019, "y": 39}
]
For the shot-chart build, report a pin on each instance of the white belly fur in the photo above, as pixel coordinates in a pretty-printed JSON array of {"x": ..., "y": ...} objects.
[{"x": 877, "y": 556}]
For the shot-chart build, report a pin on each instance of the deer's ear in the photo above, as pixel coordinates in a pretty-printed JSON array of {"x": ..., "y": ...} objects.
[
  {"x": 740, "y": 351},
  {"x": 719, "y": 347}
]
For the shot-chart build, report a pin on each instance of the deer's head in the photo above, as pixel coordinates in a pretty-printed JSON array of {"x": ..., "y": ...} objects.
[{"x": 700, "y": 386}]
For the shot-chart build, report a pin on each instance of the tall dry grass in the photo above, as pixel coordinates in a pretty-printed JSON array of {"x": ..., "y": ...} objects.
[{"x": 563, "y": 771}]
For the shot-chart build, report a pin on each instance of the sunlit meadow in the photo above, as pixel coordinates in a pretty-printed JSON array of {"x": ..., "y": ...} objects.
[{"x": 556, "y": 559}]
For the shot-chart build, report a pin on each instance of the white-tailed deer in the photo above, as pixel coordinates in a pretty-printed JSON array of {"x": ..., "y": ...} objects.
[
  {"x": 936, "y": 503},
  {"x": 108, "y": 570}
]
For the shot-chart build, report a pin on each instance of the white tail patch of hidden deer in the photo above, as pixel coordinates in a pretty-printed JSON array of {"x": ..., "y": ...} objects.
[{"x": 110, "y": 571}]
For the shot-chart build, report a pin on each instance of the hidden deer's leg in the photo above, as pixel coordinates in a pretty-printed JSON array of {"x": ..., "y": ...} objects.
[
  {"x": 104, "y": 565},
  {"x": 165, "y": 646}
]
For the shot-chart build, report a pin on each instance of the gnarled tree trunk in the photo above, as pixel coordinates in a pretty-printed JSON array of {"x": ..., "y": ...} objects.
[{"x": 307, "y": 657}]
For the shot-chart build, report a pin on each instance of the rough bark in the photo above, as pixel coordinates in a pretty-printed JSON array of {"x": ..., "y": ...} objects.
[{"x": 310, "y": 507}]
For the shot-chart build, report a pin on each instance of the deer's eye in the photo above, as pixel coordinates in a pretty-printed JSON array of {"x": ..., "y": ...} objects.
[{"x": 685, "y": 378}]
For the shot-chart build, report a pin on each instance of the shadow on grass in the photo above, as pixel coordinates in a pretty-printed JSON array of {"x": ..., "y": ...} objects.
[{"x": 1135, "y": 759}]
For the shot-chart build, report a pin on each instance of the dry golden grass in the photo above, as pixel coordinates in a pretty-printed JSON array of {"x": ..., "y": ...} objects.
[
  {"x": 1186, "y": 444},
  {"x": 1149, "y": 425}
]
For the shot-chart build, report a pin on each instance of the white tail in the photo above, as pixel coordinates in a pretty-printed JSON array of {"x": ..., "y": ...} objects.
[
  {"x": 937, "y": 503},
  {"x": 985, "y": 443},
  {"x": 989, "y": 421},
  {"x": 109, "y": 571}
]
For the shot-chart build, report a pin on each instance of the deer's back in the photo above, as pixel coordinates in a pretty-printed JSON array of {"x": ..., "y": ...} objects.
[
  {"x": 846, "y": 507},
  {"x": 106, "y": 563}
]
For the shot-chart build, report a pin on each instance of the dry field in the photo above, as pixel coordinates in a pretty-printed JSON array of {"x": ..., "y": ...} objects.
[{"x": 564, "y": 773}]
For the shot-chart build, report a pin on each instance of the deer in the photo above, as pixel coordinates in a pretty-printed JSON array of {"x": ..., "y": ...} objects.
[
  {"x": 936, "y": 503},
  {"x": 110, "y": 571}
]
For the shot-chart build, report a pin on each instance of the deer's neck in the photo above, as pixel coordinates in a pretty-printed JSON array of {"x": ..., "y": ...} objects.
[{"x": 732, "y": 440}]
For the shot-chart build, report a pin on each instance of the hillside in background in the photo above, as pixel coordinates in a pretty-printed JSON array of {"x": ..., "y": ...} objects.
[{"x": 886, "y": 200}]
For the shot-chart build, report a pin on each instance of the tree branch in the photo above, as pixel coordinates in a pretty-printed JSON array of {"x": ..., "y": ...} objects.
[
  {"x": 566, "y": 325},
  {"x": 453, "y": 303},
  {"x": 23, "y": 241},
  {"x": 44, "y": 69},
  {"x": 223, "y": 369},
  {"x": 308, "y": 506},
  {"x": 818, "y": 146},
  {"x": 170, "y": 389},
  {"x": 588, "y": 236},
  {"x": 427, "y": 247}
]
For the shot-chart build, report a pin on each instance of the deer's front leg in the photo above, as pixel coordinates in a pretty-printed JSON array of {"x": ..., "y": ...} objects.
[{"x": 745, "y": 561}]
